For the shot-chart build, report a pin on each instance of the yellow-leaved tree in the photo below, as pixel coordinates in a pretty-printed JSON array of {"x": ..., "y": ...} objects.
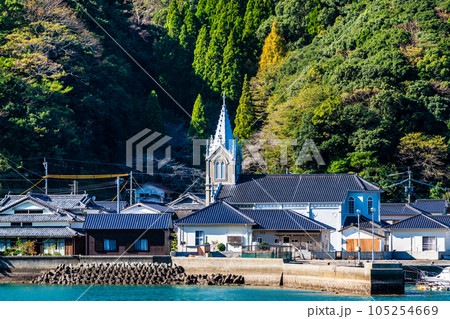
[{"x": 273, "y": 49}]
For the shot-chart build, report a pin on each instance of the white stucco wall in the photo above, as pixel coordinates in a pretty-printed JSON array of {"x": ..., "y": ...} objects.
[
  {"x": 211, "y": 233},
  {"x": 411, "y": 240}
]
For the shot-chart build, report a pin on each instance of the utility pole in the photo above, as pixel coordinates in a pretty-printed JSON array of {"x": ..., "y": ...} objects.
[
  {"x": 75, "y": 187},
  {"x": 46, "y": 174},
  {"x": 131, "y": 188},
  {"x": 409, "y": 185},
  {"x": 118, "y": 194}
]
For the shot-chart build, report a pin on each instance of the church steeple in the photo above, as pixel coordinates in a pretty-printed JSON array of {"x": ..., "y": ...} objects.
[
  {"x": 223, "y": 156},
  {"x": 224, "y": 133}
]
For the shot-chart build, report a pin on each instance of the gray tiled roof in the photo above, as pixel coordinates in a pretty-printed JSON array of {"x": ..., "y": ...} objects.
[
  {"x": 188, "y": 201},
  {"x": 423, "y": 221},
  {"x": 111, "y": 206},
  {"x": 50, "y": 232},
  {"x": 292, "y": 188},
  {"x": 219, "y": 213},
  {"x": 283, "y": 219},
  {"x": 432, "y": 205},
  {"x": 398, "y": 209},
  {"x": 35, "y": 218},
  {"x": 59, "y": 204},
  {"x": 222, "y": 213},
  {"x": 127, "y": 221},
  {"x": 364, "y": 223}
]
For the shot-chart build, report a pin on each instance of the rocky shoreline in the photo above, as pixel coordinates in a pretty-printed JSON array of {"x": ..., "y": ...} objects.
[{"x": 131, "y": 274}]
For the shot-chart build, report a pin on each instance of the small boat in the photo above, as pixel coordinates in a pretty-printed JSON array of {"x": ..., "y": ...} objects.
[{"x": 439, "y": 282}]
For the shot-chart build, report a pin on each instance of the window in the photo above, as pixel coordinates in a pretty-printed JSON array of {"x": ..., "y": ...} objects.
[
  {"x": 218, "y": 171},
  {"x": 223, "y": 173},
  {"x": 285, "y": 240},
  {"x": 109, "y": 245},
  {"x": 259, "y": 240},
  {"x": 369, "y": 204},
  {"x": 351, "y": 205},
  {"x": 24, "y": 224},
  {"x": 54, "y": 246},
  {"x": 198, "y": 238},
  {"x": 5, "y": 244},
  {"x": 141, "y": 245},
  {"x": 428, "y": 243},
  {"x": 28, "y": 211}
]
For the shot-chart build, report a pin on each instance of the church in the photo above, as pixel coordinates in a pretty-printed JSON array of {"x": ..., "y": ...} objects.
[{"x": 312, "y": 212}]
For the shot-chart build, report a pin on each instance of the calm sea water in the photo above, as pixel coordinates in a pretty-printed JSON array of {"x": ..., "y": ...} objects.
[{"x": 14, "y": 292}]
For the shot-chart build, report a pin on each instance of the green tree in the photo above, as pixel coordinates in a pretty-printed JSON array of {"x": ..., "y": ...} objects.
[
  {"x": 198, "y": 125},
  {"x": 152, "y": 117},
  {"x": 174, "y": 19},
  {"x": 231, "y": 74},
  {"x": 214, "y": 56},
  {"x": 245, "y": 114},
  {"x": 201, "y": 48}
]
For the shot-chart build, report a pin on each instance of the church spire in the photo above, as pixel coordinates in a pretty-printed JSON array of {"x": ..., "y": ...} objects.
[{"x": 224, "y": 133}]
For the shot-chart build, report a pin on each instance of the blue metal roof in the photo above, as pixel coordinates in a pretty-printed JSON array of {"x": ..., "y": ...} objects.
[
  {"x": 292, "y": 188},
  {"x": 431, "y": 205},
  {"x": 283, "y": 219},
  {"x": 423, "y": 221},
  {"x": 219, "y": 213},
  {"x": 398, "y": 209},
  {"x": 127, "y": 221}
]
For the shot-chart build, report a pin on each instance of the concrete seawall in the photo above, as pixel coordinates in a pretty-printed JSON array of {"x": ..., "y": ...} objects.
[
  {"x": 368, "y": 280},
  {"x": 378, "y": 278}
]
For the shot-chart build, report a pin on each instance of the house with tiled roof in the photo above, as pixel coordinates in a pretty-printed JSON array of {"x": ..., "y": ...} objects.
[
  {"x": 128, "y": 234},
  {"x": 236, "y": 228},
  {"x": 433, "y": 206},
  {"x": 325, "y": 198},
  {"x": 52, "y": 222},
  {"x": 421, "y": 233},
  {"x": 187, "y": 204},
  {"x": 391, "y": 213}
]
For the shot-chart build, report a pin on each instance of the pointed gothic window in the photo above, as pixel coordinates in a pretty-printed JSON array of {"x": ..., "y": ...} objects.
[
  {"x": 223, "y": 172},
  {"x": 369, "y": 204},
  {"x": 218, "y": 171},
  {"x": 351, "y": 205}
]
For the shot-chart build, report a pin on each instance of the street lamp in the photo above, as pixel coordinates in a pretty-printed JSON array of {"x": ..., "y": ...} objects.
[
  {"x": 372, "y": 210},
  {"x": 359, "y": 238}
]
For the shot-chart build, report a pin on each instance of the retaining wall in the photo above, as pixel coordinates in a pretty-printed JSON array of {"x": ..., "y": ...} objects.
[{"x": 367, "y": 280}]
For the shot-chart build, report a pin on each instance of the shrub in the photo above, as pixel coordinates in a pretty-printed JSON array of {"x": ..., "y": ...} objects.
[{"x": 221, "y": 247}]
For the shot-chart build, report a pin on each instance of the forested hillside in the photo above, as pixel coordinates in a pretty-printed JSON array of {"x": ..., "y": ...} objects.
[{"x": 368, "y": 81}]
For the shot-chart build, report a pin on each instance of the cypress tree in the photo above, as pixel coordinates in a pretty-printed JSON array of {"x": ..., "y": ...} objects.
[
  {"x": 198, "y": 126},
  {"x": 174, "y": 19},
  {"x": 201, "y": 48},
  {"x": 245, "y": 114},
  {"x": 273, "y": 49},
  {"x": 231, "y": 67},
  {"x": 214, "y": 56},
  {"x": 153, "y": 118}
]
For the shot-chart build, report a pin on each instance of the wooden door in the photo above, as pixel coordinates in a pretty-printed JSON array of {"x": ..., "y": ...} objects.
[{"x": 366, "y": 244}]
